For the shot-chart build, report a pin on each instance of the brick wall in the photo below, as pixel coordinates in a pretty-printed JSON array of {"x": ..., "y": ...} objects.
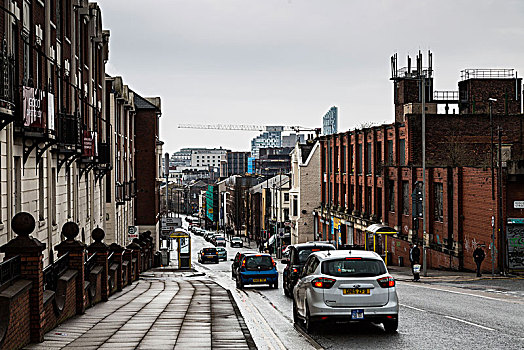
[{"x": 14, "y": 308}]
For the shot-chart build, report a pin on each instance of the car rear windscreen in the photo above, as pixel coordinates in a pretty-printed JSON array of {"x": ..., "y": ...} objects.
[
  {"x": 210, "y": 250},
  {"x": 303, "y": 254},
  {"x": 353, "y": 267},
  {"x": 262, "y": 262},
  {"x": 220, "y": 238}
]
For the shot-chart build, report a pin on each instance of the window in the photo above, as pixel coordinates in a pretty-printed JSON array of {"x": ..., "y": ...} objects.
[
  {"x": 350, "y": 159},
  {"x": 18, "y": 184},
  {"x": 402, "y": 150},
  {"x": 368, "y": 157},
  {"x": 378, "y": 158},
  {"x": 378, "y": 212},
  {"x": 343, "y": 159},
  {"x": 337, "y": 165},
  {"x": 390, "y": 152},
  {"x": 439, "y": 207},
  {"x": 359, "y": 158},
  {"x": 369, "y": 200},
  {"x": 391, "y": 195},
  {"x": 53, "y": 196},
  {"x": 295, "y": 206},
  {"x": 405, "y": 197},
  {"x": 359, "y": 199},
  {"x": 286, "y": 197},
  {"x": 41, "y": 195}
]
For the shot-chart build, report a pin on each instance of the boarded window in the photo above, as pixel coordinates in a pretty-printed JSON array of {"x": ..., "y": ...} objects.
[
  {"x": 405, "y": 197},
  {"x": 439, "y": 206}
]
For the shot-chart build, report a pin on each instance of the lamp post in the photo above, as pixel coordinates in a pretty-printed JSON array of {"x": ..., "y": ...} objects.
[{"x": 490, "y": 101}]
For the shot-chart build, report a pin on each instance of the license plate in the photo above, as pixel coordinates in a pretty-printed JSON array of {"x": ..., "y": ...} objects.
[
  {"x": 356, "y": 291},
  {"x": 357, "y": 314},
  {"x": 259, "y": 280}
]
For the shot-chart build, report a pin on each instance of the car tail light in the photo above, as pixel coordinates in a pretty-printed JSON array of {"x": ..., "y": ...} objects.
[
  {"x": 243, "y": 263},
  {"x": 323, "y": 282},
  {"x": 273, "y": 262},
  {"x": 295, "y": 270},
  {"x": 386, "y": 282}
]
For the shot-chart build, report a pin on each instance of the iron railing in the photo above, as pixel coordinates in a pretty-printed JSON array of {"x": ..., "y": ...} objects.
[
  {"x": 53, "y": 271},
  {"x": 69, "y": 130},
  {"x": 7, "y": 78},
  {"x": 495, "y": 73},
  {"x": 89, "y": 264},
  {"x": 9, "y": 270},
  {"x": 449, "y": 95}
]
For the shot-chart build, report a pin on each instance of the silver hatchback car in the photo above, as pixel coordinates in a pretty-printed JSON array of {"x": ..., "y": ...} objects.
[{"x": 345, "y": 285}]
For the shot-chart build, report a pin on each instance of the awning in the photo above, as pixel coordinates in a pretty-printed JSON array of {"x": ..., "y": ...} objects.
[{"x": 379, "y": 229}]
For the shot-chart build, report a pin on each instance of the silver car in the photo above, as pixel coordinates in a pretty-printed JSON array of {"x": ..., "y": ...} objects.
[{"x": 345, "y": 285}]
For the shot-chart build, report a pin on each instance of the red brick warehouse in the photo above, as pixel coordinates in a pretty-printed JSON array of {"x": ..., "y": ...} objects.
[{"x": 368, "y": 175}]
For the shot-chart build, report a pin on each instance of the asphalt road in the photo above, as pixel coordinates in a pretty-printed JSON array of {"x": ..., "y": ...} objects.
[{"x": 432, "y": 316}]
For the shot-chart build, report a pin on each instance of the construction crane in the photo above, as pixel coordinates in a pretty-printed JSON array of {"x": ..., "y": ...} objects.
[{"x": 245, "y": 127}]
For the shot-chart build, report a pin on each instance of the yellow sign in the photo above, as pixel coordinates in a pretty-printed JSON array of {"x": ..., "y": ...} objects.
[
  {"x": 210, "y": 210},
  {"x": 336, "y": 223},
  {"x": 178, "y": 236}
]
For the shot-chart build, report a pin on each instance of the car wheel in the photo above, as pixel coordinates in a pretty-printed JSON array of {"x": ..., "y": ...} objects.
[
  {"x": 296, "y": 319},
  {"x": 275, "y": 285},
  {"x": 391, "y": 325},
  {"x": 309, "y": 324},
  {"x": 286, "y": 291}
]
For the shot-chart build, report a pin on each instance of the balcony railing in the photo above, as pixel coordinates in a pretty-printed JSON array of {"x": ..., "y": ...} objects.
[
  {"x": 69, "y": 130},
  {"x": 104, "y": 153},
  {"x": 7, "y": 81}
]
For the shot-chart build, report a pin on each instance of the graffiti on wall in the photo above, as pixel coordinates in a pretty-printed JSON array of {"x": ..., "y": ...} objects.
[{"x": 515, "y": 236}]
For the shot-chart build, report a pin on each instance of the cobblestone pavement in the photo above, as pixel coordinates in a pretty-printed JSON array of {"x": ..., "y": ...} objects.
[{"x": 160, "y": 311}]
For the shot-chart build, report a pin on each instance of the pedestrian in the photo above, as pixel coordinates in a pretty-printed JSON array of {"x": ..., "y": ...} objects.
[
  {"x": 414, "y": 259},
  {"x": 478, "y": 256}
]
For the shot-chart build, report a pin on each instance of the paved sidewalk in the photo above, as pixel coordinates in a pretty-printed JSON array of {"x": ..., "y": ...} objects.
[
  {"x": 163, "y": 310},
  {"x": 404, "y": 273}
]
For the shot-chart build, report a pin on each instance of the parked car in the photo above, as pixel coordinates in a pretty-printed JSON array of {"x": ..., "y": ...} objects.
[
  {"x": 208, "y": 254},
  {"x": 236, "y": 242},
  {"x": 236, "y": 262},
  {"x": 297, "y": 256},
  {"x": 345, "y": 285},
  {"x": 257, "y": 269},
  {"x": 219, "y": 241},
  {"x": 222, "y": 253}
]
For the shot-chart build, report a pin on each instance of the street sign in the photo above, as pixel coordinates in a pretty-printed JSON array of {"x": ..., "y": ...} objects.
[
  {"x": 518, "y": 204},
  {"x": 132, "y": 232}
]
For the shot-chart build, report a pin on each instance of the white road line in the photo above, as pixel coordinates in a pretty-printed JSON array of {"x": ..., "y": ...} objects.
[
  {"x": 412, "y": 307},
  {"x": 470, "y": 323},
  {"x": 461, "y": 293},
  {"x": 262, "y": 321}
]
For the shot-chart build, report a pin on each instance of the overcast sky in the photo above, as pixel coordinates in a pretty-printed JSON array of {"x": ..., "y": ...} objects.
[{"x": 286, "y": 62}]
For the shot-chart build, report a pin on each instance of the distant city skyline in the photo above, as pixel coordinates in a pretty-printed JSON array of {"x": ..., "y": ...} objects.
[{"x": 278, "y": 62}]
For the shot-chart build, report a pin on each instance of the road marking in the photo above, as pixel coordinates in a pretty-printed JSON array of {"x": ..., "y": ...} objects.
[
  {"x": 412, "y": 307},
  {"x": 470, "y": 323},
  {"x": 461, "y": 293},
  {"x": 262, "y": 321}
]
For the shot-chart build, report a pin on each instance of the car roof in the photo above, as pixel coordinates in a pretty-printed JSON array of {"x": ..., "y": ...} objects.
[
  {"x": 313, "y": 245},
  {"x": 335, "y": 254}
]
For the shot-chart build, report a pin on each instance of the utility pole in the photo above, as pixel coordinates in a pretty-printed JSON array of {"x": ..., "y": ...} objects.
[
  {"x": 490, "y": 101},
  {"x": 501, "y": 221},
  {"x": 424, "y": 223}
]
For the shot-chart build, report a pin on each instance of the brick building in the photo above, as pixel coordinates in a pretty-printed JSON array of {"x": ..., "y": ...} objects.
[{"x": 368, "y": 176}]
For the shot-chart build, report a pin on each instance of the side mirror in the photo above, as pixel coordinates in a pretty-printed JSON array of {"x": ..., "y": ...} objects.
[{"x": 285, "y": 261}]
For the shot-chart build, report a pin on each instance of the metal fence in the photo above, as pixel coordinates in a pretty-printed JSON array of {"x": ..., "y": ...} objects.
[
  {"x": 53, "y": 271},
  {"x": 9, "y": 270}
]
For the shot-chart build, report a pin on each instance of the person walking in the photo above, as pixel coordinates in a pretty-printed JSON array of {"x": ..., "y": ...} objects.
[
  {"x": 478, "y": 256},
  {"x": 414, "y": 259}
]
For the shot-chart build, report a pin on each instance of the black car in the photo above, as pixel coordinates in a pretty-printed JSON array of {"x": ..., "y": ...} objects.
[
  {"x": 236, "y": 242},
  {"x": 298, "y": 254},
  {"x": 236, "y": 263},
  {"x": 208, "y": 254}
]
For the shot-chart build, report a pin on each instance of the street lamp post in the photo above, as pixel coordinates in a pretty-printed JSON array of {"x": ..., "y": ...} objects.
[{"x": 490, "y": 101}]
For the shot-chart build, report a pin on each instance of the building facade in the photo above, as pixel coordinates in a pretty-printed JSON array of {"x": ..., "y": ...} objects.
[
  {"x": 271, "y": 138},
  {"x": 374, "y": 175},
  {"x": 330, "y": 122},
  {"x": 208, "y": 157},
  {"x": 304, "y": 194}
]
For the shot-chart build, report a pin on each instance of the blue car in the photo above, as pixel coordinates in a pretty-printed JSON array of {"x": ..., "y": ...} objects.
[{"x": 257, "y": 269}]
